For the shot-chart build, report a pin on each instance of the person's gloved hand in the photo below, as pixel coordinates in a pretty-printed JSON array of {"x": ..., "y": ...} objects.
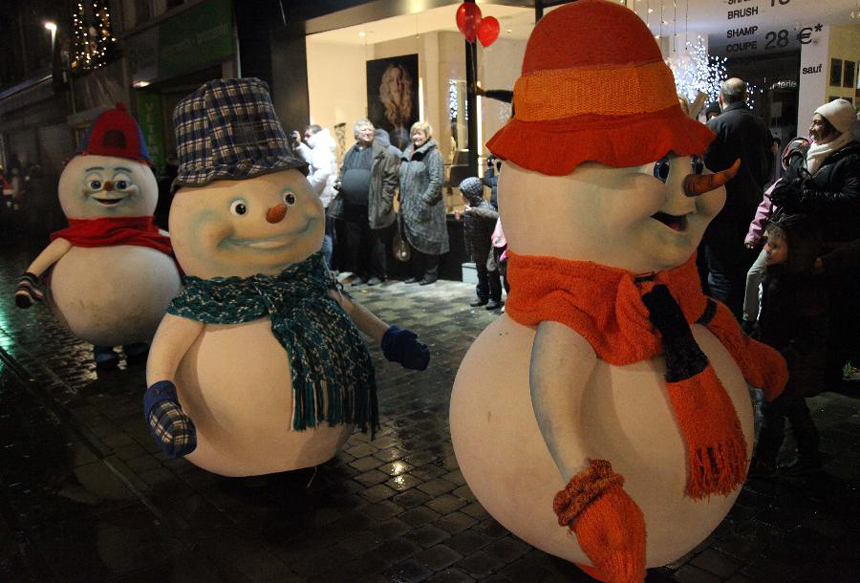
[
  {"x": 172, "y": 429},
  {"x": 27, "y": 293},
  {"x": 401, "y": 346}
]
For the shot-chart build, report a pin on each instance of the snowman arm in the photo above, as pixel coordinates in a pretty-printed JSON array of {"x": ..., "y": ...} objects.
[
  {"x": 561, "y": 363},
  {"x": 49, "y": 256},
  {"x": 608, "y": 524},
  {"x": 364, "y": 319},
  {"x": 397, "y": 345},
  {"x": 174, "y": 337}
]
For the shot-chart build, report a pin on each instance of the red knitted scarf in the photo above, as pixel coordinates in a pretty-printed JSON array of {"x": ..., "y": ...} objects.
[
  {"x": 115, "y": 231},
  {"x": 628, "y": 319}
]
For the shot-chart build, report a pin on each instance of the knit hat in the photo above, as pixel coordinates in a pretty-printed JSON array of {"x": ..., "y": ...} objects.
[
  {"x": 840, "y": 113},
  {"x": 472, "y": 188},
  {"x": 116, "y": 133},
  {"x": 228, "y": 130},
  {"x": 594, "y": 87}
]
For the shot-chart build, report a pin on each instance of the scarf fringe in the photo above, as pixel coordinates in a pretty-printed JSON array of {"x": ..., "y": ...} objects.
[{"x": 716, "y": 447}]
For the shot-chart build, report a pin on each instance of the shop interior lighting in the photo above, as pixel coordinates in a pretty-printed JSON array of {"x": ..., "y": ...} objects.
[
  {"x": 52, "y": 26},
  {"x": 361, "y": 33}
]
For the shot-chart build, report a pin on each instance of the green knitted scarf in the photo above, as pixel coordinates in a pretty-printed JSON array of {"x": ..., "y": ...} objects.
[{"x": 333, "y": 376}]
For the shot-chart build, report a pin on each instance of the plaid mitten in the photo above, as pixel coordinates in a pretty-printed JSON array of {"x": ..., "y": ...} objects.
[
  {"x": 401, "y": 346},
  {"x": 172, "y": 429},
  {"x": 27, "y": 293}
]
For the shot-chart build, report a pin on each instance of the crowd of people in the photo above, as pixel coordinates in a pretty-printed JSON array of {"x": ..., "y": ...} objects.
[
  {"x": 783, "y": 255},
  {"x": 362, "y": 218}
]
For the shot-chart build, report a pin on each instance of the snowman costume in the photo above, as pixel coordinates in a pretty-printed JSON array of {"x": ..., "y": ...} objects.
[
  {"x": 618, "y": 406},
  {"x": 258, "y": 366},
  {"x": 111, "y": 272}
]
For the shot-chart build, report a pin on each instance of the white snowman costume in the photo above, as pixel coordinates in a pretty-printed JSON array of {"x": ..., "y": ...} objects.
[
  {"x": 258, "y": 366},
  {"x": 111, "y": 273},
  {"x": 610, "y": 398}
]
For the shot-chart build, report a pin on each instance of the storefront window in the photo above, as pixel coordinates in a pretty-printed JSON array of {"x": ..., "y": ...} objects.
[
  {"x": 413, "y": 67},
  {"x": 793, "y": 54}
]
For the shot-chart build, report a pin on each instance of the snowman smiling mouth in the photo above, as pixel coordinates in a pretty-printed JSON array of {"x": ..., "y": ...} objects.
[
  {"x": 674, "y": 222},
  {"x": 108, "y": 201}
]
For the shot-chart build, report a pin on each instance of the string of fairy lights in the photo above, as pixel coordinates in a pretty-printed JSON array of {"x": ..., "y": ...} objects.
[{"x": 94, "y": 43}]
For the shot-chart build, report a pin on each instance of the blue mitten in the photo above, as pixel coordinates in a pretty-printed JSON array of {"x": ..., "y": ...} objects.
[
  {"x": 401, "y": 346},
  {"x": 172, "y": 429},
  {"x": 27, "y": 293}
]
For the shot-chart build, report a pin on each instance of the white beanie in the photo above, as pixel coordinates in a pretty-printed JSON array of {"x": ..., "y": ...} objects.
[{"x": 840, "y": 113}]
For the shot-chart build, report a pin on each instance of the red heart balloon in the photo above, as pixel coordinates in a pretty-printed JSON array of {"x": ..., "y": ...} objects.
[
  {"x": 488, "y": 31},
  {"x": 468, "y": 20}
]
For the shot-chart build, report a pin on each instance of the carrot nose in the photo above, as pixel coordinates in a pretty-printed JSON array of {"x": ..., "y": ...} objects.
[
  {"x": 108, "y": 185},
  {"x": 698, "y": 184},
  {"x": 277, "y": 213}
]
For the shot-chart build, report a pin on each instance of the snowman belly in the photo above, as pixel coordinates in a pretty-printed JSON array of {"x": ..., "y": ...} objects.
[
  {"x": 112, "y": 295},
  {"x": 235, "y": 383},
  {"x": 625, "y": 418}
]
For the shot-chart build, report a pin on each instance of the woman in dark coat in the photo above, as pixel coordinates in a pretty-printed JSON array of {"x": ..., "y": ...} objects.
[
  {"x": 421, "y": 203},
  {"x": 824, "y": 184}
]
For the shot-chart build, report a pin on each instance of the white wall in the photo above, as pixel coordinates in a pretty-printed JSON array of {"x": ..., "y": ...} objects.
[
  {"x": 813, "y": 85},
  {"x": 337, "y": 85}
]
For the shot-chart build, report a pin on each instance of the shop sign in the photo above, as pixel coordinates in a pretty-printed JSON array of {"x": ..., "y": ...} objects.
[
  {"x": 151, "y": 125},
  {"x": 199, "y": 36},
  {"x": 761, "y": 27}
]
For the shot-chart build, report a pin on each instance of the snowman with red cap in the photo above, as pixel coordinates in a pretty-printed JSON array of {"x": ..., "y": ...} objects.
[
  {"x": 611, "y": 397},
  {"x": 111, "y": 273}
]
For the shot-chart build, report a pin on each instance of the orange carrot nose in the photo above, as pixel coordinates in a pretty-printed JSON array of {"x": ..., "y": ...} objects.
[
  {"x": 108, "y": 185},
  {"x": 277, "y": 213},
  {"x": 698, "y": 184}
]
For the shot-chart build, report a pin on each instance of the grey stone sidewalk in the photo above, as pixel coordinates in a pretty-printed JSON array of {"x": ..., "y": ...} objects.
[{"x": 86, "y": 495}]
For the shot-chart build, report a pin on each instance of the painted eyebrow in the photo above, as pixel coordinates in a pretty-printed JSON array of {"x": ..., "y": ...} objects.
[
  {"x": 124, "y": 169},
  {"x": 94, "y": 168}
]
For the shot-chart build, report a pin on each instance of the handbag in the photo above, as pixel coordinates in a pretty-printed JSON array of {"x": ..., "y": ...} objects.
[{"x": 399, "y": 246}]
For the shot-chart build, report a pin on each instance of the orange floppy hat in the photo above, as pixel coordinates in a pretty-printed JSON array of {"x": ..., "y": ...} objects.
[{"x": 594, "y": 87}]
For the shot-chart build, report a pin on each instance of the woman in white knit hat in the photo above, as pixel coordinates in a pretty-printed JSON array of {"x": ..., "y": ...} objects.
[{"x": 825, "y": 185}]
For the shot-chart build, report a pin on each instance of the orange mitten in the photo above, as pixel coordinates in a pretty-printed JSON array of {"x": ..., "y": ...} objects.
[{"x": 607, "y": 522}]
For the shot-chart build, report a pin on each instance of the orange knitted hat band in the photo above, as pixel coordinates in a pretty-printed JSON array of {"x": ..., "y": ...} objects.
[{"x": 553, "y": 94}]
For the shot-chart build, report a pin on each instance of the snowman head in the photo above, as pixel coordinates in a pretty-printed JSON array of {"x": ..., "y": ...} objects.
[
  {"x": 601, "y": 164},
  {"x": 245, "y": 227},
  {"x": 95, "y": 187},
  {"x": 111, "y": 175},
  {"x": 244, "y": 206}
]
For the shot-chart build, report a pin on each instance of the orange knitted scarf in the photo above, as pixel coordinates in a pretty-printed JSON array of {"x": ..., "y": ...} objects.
[{"x": 627, "y": 319}]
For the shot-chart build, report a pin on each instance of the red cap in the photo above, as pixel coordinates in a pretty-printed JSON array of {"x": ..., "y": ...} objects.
[{"x": 116, "y": 133}]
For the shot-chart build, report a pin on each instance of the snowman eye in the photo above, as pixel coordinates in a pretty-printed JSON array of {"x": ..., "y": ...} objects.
[
  {"x": 93, "y": 182},
  {"x": 698, "y": 164},
  {"x": 661, "y": 169},
  {"x": 289, "y": 198},
  {"x": 239, "y": 207},
  {"x": 121, "y": 182}
]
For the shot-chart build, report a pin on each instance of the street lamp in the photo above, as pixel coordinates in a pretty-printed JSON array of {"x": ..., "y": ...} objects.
[{"x": 52, "y": 26}]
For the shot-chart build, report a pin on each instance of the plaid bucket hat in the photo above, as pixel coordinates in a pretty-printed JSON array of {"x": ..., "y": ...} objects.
[{"x": 228, "y": 130}]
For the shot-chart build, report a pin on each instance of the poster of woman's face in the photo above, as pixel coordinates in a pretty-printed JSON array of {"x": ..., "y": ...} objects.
[{"x": 392, "y": 96}]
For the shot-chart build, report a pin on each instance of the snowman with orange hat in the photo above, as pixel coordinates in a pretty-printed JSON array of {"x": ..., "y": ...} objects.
[
  {"x": 111, "y": 272},
  {"x": 611, "y": 398}
]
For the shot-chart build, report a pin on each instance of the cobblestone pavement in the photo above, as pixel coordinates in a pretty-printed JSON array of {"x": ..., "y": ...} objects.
[{"x": 86, "y": 496}]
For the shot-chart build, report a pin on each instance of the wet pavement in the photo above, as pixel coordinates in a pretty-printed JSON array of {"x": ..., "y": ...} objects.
[{"x": 85, "y": 495}]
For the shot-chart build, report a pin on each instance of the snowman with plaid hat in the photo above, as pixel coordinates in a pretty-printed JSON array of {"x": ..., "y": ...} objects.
[
  {"x": 610, "y": 401},
  {"x": 111, "y": 273},
  {"x": 258, "y": 366}
]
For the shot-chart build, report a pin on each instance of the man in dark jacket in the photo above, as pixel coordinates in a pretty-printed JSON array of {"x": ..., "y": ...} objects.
[
  {"x": 363, "y": 208},
  {"x": 740, "y": 134}
]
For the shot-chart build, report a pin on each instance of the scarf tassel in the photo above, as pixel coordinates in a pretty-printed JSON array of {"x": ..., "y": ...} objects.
[{"x": 716, "y": 447}]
